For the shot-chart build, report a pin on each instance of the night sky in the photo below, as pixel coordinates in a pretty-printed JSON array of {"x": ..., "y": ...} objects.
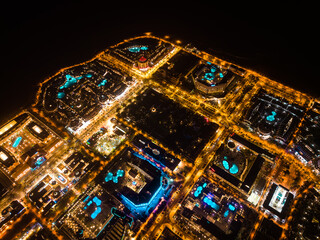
[{"x": 278, "y": 41}]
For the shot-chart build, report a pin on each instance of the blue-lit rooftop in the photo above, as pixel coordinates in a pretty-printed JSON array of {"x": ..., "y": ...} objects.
[
  {"x": 138, "y": 181},
  {"x": 70, "y": 80},
  {"x": 136, "y": 49},
  {"x": 210, "y": 74}
]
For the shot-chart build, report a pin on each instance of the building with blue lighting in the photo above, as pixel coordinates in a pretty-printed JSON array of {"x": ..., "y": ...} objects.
[
  {"x": 142, "y": 202},
  {"x": 209, "y": 210},
  {"x": 273, "y": 118},
  {"x": 210, "y": 79},
  {"x": 137, "y": 181},
  {"x": 95, "y": 215},
  {"x": 158, "y": 154},
  {"x": 77, "y": 94},
  {"x": 141, "y": 53}
]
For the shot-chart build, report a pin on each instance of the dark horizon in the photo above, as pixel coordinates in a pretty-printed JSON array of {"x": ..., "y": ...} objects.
[{"x": 40, "y": 40}]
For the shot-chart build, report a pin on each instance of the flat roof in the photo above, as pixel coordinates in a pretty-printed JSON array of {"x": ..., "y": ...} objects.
[
  {"x": 247, "y": 183},
  {"x": 278, "y": 200},
  {"x": 252, "y": 146},
  {"x": 156, "y": 152}
]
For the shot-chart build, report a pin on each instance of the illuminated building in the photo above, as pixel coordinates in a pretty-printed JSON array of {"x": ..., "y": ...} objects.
[
  {"x": 10, "y": 213},
  {"x": 155, "y": 152},
  {"x": 307, "y": 145},
  {"x": 148, "y": 196},
  {"x": 95, "y": 215},
  {"x": 272, "y": 117},
  {"x": 305, "y": 222},
  {"x": 156, "y": 191},
  {"x": 141, "y": 53},
  {"x": 20, "y": 141},
  {"x": 278, "y": 200},
  {"x": 137, "y": 180},
  {"x": 34, "y": 157},
  {"x": 210, "y": 211},
  {"x": 6, "y": 158},
  {"x": 76, "y": 95},
  {"x": 143, "y": 64},
  {"x": 211, "y": 79},
  {"x": 240, "y": 170}
]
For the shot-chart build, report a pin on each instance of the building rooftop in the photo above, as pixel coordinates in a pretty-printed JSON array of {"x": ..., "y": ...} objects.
[{"x": 278, "y": 200}]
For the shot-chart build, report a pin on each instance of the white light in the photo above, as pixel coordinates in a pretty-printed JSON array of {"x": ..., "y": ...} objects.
[
  {"x": 37, "y": 129},
  {"x": 254, "y": 198},
  {"x": 278, "y": 199},
  {"x": 7, "y": 127},
  {"x": 83, "y": 126},
  {"x": 3, "y": 156}
]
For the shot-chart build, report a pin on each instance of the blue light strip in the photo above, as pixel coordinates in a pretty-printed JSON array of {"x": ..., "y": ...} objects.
[
  {"x": 102, "y": 83},
  {"x": 154, "y": 162},
  {"x": 156, "y": 196},
  {"x": 114, "y": 214},
  {"x": 144, "y": 205},
  {"x": 144, "y": 158},
  {"x": 226, "y": 213},
  {"x": 17, "y": 142},
  {"x": 96, "y": 212}
]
